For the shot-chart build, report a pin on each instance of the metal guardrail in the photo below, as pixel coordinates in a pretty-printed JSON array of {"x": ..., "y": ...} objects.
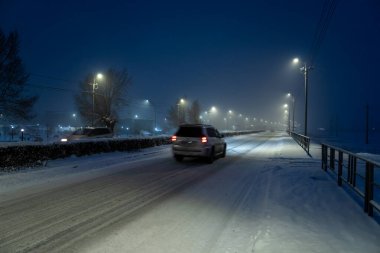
[
  {"x": 302, "y": 140},
  {"x": 355, "y": 166}
]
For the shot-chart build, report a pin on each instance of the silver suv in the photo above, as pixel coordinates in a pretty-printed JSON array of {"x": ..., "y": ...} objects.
[{"x": 198, "y": 140}]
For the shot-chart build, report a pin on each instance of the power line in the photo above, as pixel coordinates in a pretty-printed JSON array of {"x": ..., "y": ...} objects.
[{"x": 328, "y": 10}]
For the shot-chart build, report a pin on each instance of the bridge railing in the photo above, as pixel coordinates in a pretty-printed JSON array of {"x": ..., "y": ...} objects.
[
  {"x": 358, "y": 172},
  {"x": 302, "y": 140}
]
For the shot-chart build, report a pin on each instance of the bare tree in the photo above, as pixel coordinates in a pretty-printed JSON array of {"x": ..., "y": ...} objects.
[
  {"x": 178, "y": 114},
  {"x": 14, "y": 104},
  {"x": 194, "y": 113},
  {"x": 172, "y": 116},
  {"x": 109, "y": 96}
]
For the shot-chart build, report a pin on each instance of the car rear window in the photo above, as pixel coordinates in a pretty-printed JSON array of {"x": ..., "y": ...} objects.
[
  {"x": 189, "y": 132},
  {"x": 211, "y": 132}
]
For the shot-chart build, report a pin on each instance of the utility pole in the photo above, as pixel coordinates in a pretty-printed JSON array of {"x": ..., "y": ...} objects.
[
  {"x": 305, "y": 70},
  {"x": 293, "y": 112},
  {"x": 366, "y": 123}
]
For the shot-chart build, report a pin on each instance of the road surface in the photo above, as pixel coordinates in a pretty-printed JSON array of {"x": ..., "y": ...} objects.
[{"x": 267, "y": 195}]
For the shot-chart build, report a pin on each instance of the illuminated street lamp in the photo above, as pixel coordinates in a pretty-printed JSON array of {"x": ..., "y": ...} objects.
[
  {"x": 293, "y": 108},
  {"x": 213, "y": 111},
  {"x": 305, "y": 70},
  {"x": 99, "y": 76},
  {"x": 22, "y": 134},
  {"x": 148, "y": 102},
  {"x": 12, "y": 127},
  {"x": 181, "y": 102}
]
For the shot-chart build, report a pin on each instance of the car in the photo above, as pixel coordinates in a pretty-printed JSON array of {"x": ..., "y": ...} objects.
[
  {"x": 89, "y": 133},
  {"x": 198, "y": 140}
]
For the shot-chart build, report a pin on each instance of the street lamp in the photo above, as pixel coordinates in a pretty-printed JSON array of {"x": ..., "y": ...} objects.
[
  {"x": 99, "y": 76},
  {"x": 148, "y": 102},
  {"x": 305, "y": 70},
  {"x": 181, "y": 102},
  {"x": 22, "y": 134},
  {"x": 213, "y": 110},
  {"x": 12, "y": 127},
  {"x": 230, "y": 114},
  {"x": 287, "y": 112},
  {"x": 293, "y": 109}
]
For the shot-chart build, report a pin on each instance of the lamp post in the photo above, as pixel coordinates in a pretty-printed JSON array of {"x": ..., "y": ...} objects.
[
  {"x": 181, "y": 102},
  {"x": 305, "y": 70},
  {"x": 12, "y": 127},
  {"x": 293, "y": 109},
  {"x": 213, "y": 110},
  {"x": 148, "y": 102},
  {"x": 287, "y": 112},
  {"x": 94, "y": 87},
  {"x": 22, "y": 134}
]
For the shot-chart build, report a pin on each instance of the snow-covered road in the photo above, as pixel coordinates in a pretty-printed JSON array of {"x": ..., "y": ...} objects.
[{"x": 267, "y": 195}]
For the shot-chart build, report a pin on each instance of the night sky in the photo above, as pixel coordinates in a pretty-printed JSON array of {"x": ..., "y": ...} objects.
[{"x": 232, "y": 54}]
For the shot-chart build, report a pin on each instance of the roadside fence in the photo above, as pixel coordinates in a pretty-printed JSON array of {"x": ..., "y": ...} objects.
[
  {"x": 358, "y": 172},
  {"x": 302, "y": 140}
]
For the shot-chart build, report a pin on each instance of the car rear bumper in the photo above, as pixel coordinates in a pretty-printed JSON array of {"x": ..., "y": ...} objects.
[{"x": 189, "y": 151}]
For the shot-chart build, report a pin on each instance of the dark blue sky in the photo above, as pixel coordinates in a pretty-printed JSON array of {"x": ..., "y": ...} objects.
[{"x": 231, "y": 54}]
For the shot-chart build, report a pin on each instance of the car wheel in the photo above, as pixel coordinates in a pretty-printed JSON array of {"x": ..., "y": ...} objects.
[
  {"x": 178, "y": 158},
  {"x": 224, "y": 151},
  {"x": 211, "y": 157}
]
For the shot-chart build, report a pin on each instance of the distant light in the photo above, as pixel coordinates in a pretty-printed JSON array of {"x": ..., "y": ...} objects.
[
  {"x": 182, "y": 101},
  {"x": 289, "y": 94},
  {"x": 136, "y": 116},
  {"x": 99, "y": 76},
  {"x": 12, "y": 126},
  {"x": 285, "y": 105},
  {"x": 296, "y": 61},
  {"x": 64, "y": 140},
  {"x": 213, "y": 109},
  {"x": 230, "y": 111},
  {"x": 74, "y": 115},
  {"x": 22, "y": 129},
  {"x": 127, "y": 128},
  {"x": 147, "y": 101}
]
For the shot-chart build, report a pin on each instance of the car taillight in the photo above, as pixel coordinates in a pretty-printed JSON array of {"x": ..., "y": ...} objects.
[
  {"x": 204, "y": 139},
  {"x": 174, "y": 138}
]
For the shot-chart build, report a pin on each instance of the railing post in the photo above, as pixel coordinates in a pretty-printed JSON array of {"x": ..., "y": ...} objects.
[
  {"x": 349, "y": 172},
  {"x": 332, "y": 158},
  {"x": 340, "y": 168},
  {"x": 368, "y": 195},
  {"x": 324, "y": 157},
  {"x": 354, "y": 172}
]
